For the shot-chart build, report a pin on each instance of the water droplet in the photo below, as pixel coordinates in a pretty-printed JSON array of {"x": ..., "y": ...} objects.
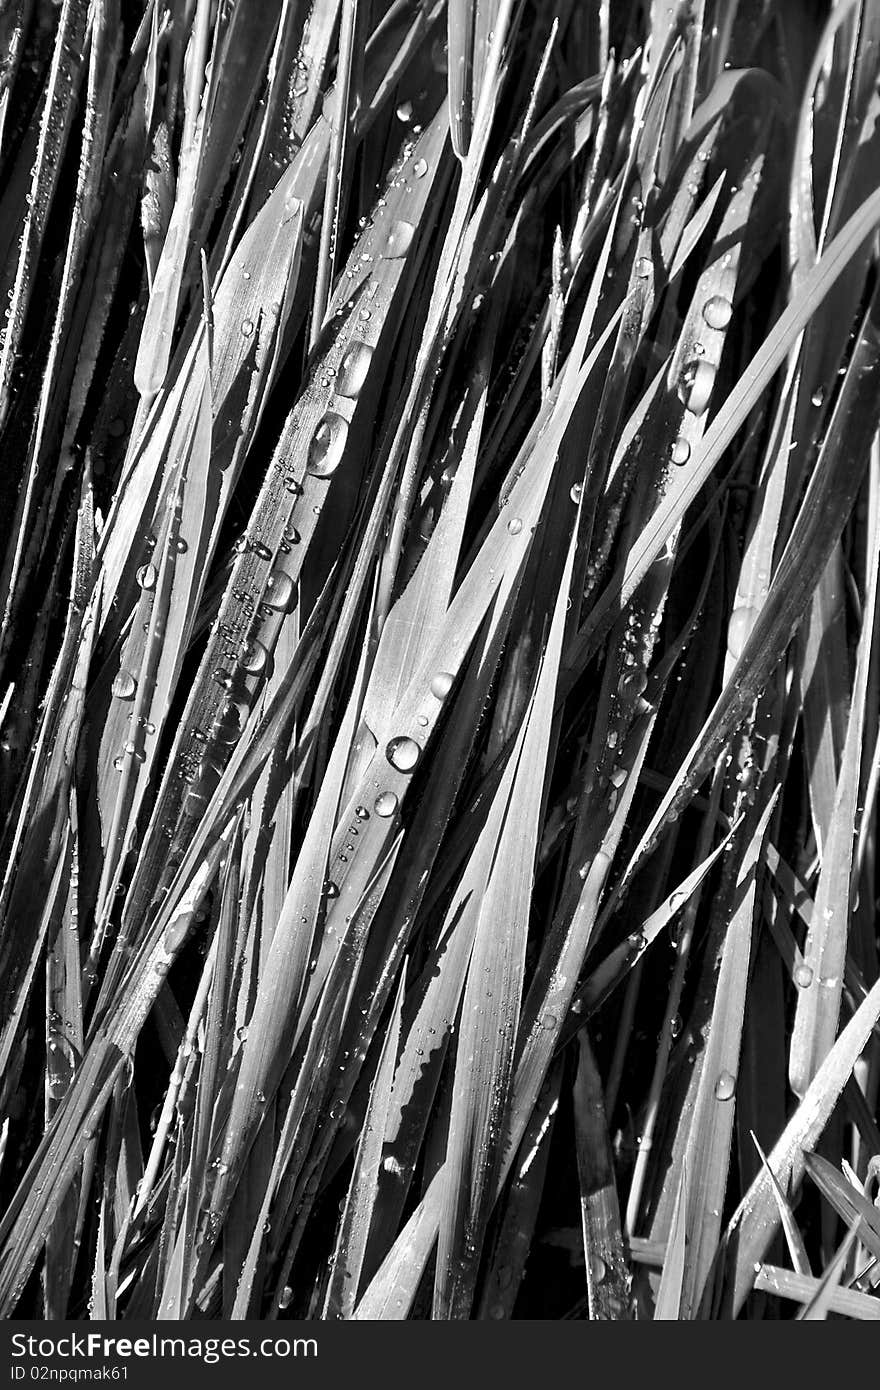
[
  {"x": 124, "y": 685},
  {"x": 675, "y": 1026},
  {"x": 405, "y": 112},
  {"x": 327, "y": 446},
  {"x": 680, "y": 452},
  {"x": 718, "y": 311},
  {"x": 818, "y": 397},
  {"x": 598, "y": 1269},
  {"x": 247, "y": 327},
  {"x": 362, "y": 813},
  {"x": 353, "y": 369},
  {"x": 577, "y": 493},
  {"x": 420, "y": 168},
  {"x": 741, "y": 622},
  {"x": 399, "y": 240},
  {"x": 618, "y": 777},
  {"x": 725, "y": 1086},
  {"x": 261, "y": 549},
  {"x": 385, "y": 804},
  {"x": 695, "y": 385},
  {"x": 146, "y": 576},
  {"x": 632, "y": 684},
  {"x": 643, "y": 267},
  {"x": 514, "y": 526},
  {"x": 285, "y": 1298},
  {"x": 803, "y": 977},
  {"x": 280, "y": 591},
  {"x": 403, "y": 753},
  {"x": 441, "y": 684},
  {"x": 255, "y": 658}
]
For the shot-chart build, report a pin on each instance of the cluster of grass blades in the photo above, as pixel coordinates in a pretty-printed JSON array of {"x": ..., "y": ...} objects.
[{"x": 440, "y": 537}]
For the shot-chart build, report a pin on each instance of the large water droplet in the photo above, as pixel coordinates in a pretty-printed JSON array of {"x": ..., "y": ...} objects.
[
  {"x": 643, "y": 267},
  {"x": 146, "y": 576},
  {"x": 441, "y": 684},
  {"x": 385, "y": 804},
  {"x": 404, "y": 112},
  {"x": 353, "y": 369},
  {"x": 399, "y": 240},
  {"x": 577, "y": 491},
  {"x": 725, "y": 1086},
  {"x": 718, "y": 311},
  {"x": 327, "y": 446},
  {"x": 403, "y": 753},
  {"x": 695, "y": 385},
  {"x": 803, "y": 977},
  {"x": 514, "y": 526},
  {"x": 255, "y": 658},
  {"x": 680, "y": 452},
  {"x": 632, "y": 684},
  {"x": 741, "y": 623},
  {"x": 280, "y": 591},
  {"x": 420, "y": 168},
  {"x": 124, "y": 685}
]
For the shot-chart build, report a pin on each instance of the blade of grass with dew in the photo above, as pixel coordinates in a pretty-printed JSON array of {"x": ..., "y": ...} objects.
[
  {"x": 823, "y": 514},
  {"x": 818, "y": 1005},
  {"x": 707, "y": 1154},
  {"x": 751, "y": 1228},
  {"x": 102, "y": 46},
  {"x": 721, "y": 432},
  {"x": 800, "y": 1289},
  {"x": 354, "y": 1229},
  {"x": 320, "y": 443},
  {"x": 668, "y": 1307},
  {"x": 491, "y": 1003},
  {"x": 55, "y": 122},
  {"x": 608, "y": 1277},
  {"x": 515, "y": 1234}
]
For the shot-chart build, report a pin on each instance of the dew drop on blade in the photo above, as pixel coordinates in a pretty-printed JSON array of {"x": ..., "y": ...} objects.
[
  {"x": 680, "y": 452},
  {"x": 399, "y": 240},
  {"x": 327, "y": 445},
  {"x": 280, "y": 591},
  {"x": 695, "y": 385},
  {"x": 742, "y": 620},
  {"x": 124, "y": 685},
  {"x": 403, "y": 753},
  {"x": 385, "y": 804},
  {"x": 718, "y": 311},
  {"x": 255, "y": 658},
  {"x": 441, "y": 684},
  {"x": 725, "y": 1086},
  {"x": 353, "y": 369}
]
